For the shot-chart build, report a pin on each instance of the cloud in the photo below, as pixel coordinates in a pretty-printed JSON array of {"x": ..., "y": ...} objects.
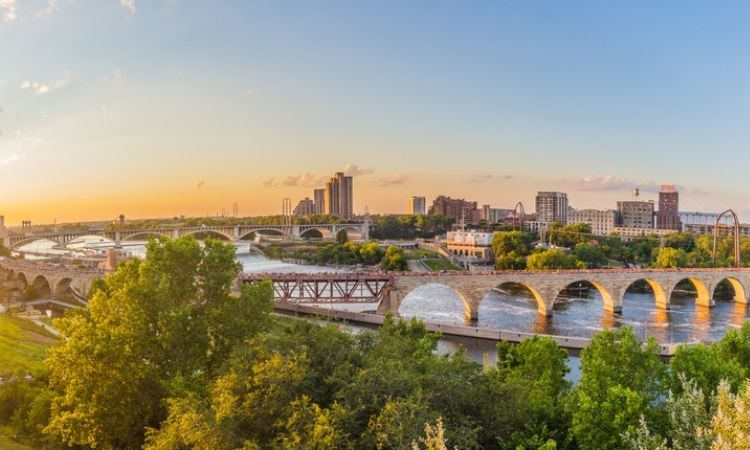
[
  {"x": 267, "y": 183},
  {"x": 9, "y": 10},
  {"x": 45, "y": 88},
  {"x": 485, "y": 177},
  {"x": 129, "y": 4},
  {"x": 606, "y": 183},
  {"x": 393, "y": 180},
  {"x": 248, "y": 92},
  {"x": 305, "y": 180},
  {"x": 9, "y": 158},
  {"x": 200, "y": 184},
  {"x": 354, "y": 170}
]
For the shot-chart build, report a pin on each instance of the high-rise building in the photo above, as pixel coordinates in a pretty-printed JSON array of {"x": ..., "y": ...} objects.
[
  {"x": 338, "y": 196},
  {"x": 305, "y": 207},
  {"x": 635, "y": 214},
  {"x": 602, "y": 222},
  {"x": 668, "y": 216},
  {"x": 417, "y": 205},
  {"x": 459, "y": 209},
  {"x": 319, "y": 203},
  {"x": 552, "y": 207}
]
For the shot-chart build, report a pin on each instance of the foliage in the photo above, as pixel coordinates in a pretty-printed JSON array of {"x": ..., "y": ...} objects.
[
  {"x": 553, "y": 259},
  {"x": 410, "y": 226},
  {"x": 671, "y": 258},
  {"x": 394, "y": 259},
  {"x": 591, "y": 255},
  {"x": 440, "y": 264},
  {"x": 506, "y": 242},
  {"x": 153, "y": 329},
  {"x": 568, "y": 235},
  {"x": 705, "y": 367},
  {"x": 731, "y": 422},
  {"x": 23, "y": 346}
]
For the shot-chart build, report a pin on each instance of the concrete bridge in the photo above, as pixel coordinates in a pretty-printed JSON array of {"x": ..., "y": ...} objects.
[
  {"x": 356, "y": 231},
  {"x": 471, "y": 287},
  {"x": 50, "y": 281}
]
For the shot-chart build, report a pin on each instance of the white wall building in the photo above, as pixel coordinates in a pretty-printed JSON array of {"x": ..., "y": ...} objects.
[{"x": 602, "y": 221}]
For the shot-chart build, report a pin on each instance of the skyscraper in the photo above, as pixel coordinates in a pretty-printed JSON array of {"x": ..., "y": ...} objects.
[
  {"x": 319, "y": 203},
  {"x": 552, "y": 207},
  {"x": 339, "y": 196},
  {"x": 417, "y": 205},
  {"x": 635, "y": 214},
  {"x": 668, "y": 215}
]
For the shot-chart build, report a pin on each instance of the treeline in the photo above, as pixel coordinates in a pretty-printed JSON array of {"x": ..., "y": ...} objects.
[
  {"x": 166, "y": 358},
  {"x": 515, "y": 250},
  {"x": 410, "y": 226},
  {"x": 342, "y": 253},
  {"x": 314, "y": 219}
]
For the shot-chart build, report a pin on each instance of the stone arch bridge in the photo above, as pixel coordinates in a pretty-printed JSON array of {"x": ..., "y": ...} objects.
[
  {"x": 356, "y": 231},
  {"x": 389, "y": 290},
  {"x": 52, "y": 282}
]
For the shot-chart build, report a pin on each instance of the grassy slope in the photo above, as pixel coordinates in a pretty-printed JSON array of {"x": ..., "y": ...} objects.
[
  {"x": 440, "y": 264},
  {"x": 7, "y": 443},
  {"x": 23, "y": 344}
]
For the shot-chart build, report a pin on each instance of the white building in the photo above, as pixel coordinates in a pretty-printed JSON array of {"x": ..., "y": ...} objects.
[
  {"x": 602, "y": 221},
  {"x": 417, "y": 205},
  {"x": 470, "y": 247}
]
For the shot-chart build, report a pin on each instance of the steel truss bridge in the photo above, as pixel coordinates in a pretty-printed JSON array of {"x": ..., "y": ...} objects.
[{"x": 326, "y": 288}]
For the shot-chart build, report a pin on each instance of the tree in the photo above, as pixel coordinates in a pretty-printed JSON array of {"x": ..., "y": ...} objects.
[
  {"x": 592, "y": 256},
  {"x": 552, "y": 259},
  {"x": 731, "y": 422},
  {"x": 705, "y": 367},
  {"x": 505, "y": 242},
  {"x": 394, "y": 259},
  {"x": 153, "y": 329},
  {"x": 608, "y": 400},
  {"x": 510, "y": 261},
  {"x": 671, "y": 258}
]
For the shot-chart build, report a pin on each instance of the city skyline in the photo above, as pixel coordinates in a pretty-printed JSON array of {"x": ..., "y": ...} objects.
[{"x": 168, "y": 108}]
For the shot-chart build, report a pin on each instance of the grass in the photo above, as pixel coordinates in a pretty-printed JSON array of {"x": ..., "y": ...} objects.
[
  {"x": 23, "y": 345},
  {"x": 7, "y": 443},
  {"x": 419, "y": 253},
  {"x": 440, "y": 264}
]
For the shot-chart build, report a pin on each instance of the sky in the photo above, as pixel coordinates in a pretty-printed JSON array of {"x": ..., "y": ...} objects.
[{"x": 158, "y": 108}]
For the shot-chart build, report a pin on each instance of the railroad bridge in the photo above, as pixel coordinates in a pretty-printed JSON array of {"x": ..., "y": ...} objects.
[
  {"x": 389, "y": 289},
  {"x": 236, "y": 233},
  {"x": 52, "y": 282}
]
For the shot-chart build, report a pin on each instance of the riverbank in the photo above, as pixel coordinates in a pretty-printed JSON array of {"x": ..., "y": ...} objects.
[{"x": 571, "y": 343}]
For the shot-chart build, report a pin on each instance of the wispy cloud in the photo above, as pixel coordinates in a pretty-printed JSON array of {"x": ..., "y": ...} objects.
[
  {"x": 487, "y": 177},
  {"x": 304, "y": 180},
  {"x": 200, "y": 184},
  {"x": 129, "y": 4},
  {"x": 606, "y": 183},
  {"x": 248, "y": 92},
  {"x": 9, "y": 10},
  {"x": 9, "y": 158},
  {"x": 393, "y": 180},
  {"x": 354, "y": 170},
  {"x": 40, "y": 88}
]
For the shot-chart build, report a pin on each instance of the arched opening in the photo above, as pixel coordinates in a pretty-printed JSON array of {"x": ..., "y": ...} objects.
[
  {"x": 646, "y": 288},
  {"x": 248, "y": 236},
  {"x": 645, "y": 309},
  {"x": 89, "y": 241},
  {"x": 40, "y": 288},
  {"x": 63, "y": 290},
  {"x": 515, "y": 307},
  {"x": 143, "y": 236},
  {"x": 730, "y": 289},
  {"x": 352, "y": 234},
  {"x": 691, "y": 288},
  {"x": 261, "y": 234},
  {"x": 32, "y": 245},
  {"x": 312, "y": 234},
  {"x": 581, "y": 305},
  {"x": 435, "y": 303},
  {"x": 202, "y": 235},
  {"x": 22, "y": 281}
]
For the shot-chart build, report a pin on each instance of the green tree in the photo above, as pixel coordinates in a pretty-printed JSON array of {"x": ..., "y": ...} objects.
[
  {"x": 153, "y": 329},
  {"x": 394, "y": 259},
  {"x": 592, "y": 256},
  {"x": 731, "y": 422},
  {"x": 506, "y": 242},
  {"x": 704, "y": 366},
  {"x": 510, "y": 261},
  {"x": 671, "y": 258},
  {"x": 552, "y": 259},
  {"x": 609, "y": 400}
]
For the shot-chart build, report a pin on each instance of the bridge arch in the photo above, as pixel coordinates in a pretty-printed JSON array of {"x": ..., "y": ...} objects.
[
  {"x": 610, "y": 302},
  {"x": 541, "y": 306},
  {"x": 63, "y": 289},
  {"x": 740, "y": 291},
  {"x": 84, "y": 237},
  {"x": 441, "y": 306},
  {"x": 255, "y": 232},
  {"x": 22, "y": 281},
  {"x": 146, "y": 234},
  {"x": 42, "y": 287},
  {"x": 208, "y": 232},
  {"x": 661, "y": 297},
  {"x": 703, "y": 294},
  {"x": 352, "y": 233},
  {"x": 325, "y": 233},
  {"x": 18, "y": 244}
]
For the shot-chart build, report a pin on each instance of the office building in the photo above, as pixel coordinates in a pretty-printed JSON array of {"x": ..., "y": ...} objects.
[
  {"x": 417, "y": 205},
  {"x": 338, "y": 196},
  {"x": 319, "y": 203},
  {"x": 470, "y": 247},
  {"x": 602, "y": 222},
  {"x": 494, "y": 215},
  {"x": 305, "y": 207},
  {"x": 552, "y": 207},
  {"x": 459, "y": 209},
  {"x": 635, "y": 214},
  {"x": 668, "y": 215}
]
